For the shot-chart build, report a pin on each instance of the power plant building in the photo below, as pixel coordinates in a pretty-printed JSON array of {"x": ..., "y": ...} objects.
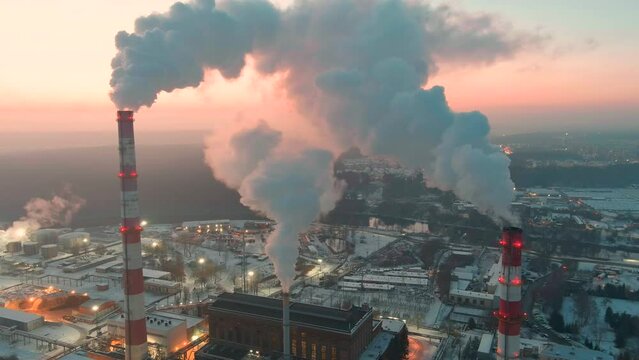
[{"x": 316, "y": 332}]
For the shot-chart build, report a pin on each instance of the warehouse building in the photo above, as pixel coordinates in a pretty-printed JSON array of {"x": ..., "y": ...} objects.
[{"x": 21, "y": 320}]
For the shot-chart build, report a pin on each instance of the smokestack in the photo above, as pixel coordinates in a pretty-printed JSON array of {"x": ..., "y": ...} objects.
[
  {"x": 286, "y": 326},
  {"x": 135, "y": 320},
  {"x": 510, "y": 312}
]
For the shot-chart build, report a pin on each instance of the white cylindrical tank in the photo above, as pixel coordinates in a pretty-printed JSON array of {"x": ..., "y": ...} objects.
[
  {"x": 46, "y": 236},
  {"x": 14, "y": 246},
  {"x": 30, "y": 247},
  {"x": 75, "y": 239}
]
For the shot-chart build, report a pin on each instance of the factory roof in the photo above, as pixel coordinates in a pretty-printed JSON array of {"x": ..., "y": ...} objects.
[
  {"x": 155, "y": 274},
  {"x": 301, "y": 314},
  {"x": 472, "y": 294},
  {"x": 560, "y": 352},
  {"x": 392, "y": 325},
  {"x": 16, "y": 315},
  {"x": 486, "y": 343},
  {"x": 160, "y": 282}
]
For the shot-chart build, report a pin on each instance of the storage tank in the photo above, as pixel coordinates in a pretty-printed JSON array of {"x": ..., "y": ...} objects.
[
  {"x": 75, "y": 239},
  {"x": 30, "y": 248},
  {"x": 14, "y": 246},
  {"x": 49, "y": 251},
  {"x": 46, "y": 236}
]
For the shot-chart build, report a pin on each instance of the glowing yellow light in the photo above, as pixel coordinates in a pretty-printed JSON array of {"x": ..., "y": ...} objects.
[
  {"x": 144, "y": 223},
  {"x": 95, "y": 307}
]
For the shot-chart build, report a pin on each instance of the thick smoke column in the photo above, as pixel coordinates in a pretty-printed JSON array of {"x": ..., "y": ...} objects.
[
  {"x": 357, "y": 68},
  {"x": 293, "y": 191},
  {"x": 291, "y": 188},
  {"x": 59, "y": 210}
]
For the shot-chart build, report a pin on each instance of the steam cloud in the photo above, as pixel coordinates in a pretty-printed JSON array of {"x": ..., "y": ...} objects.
[
  {"x": 59, "y": 210},
  {"x": 292, "y": 189},
  {"x": 356, "y": 68}
]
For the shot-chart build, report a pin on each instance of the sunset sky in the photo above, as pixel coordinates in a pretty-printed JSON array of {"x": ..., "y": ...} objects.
[{"x": 55, "y": 70}]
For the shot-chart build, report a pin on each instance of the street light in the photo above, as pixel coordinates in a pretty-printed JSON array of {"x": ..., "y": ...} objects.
[
  {"x": 320, "y": 261},
  {"x": 154, "y": 244},
  {"x": 143, "y": 223},
  {"x": 201, "y": 261}
]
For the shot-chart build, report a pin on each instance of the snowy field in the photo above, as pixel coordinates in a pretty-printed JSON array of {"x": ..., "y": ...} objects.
[{"x": 596, "y": 329}]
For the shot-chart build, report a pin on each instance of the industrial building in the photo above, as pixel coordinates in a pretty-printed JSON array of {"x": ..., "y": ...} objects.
[
  {"x": 92, "y": 310},
  {"x": 159, "y": 286},
  {"x": 255, "y": 323},
  {"x": 170, "y": 331},
  {"x": 204, "y": 225},
  {"x": 21, "y": 320},
  {"x": 472, "y": 298}
]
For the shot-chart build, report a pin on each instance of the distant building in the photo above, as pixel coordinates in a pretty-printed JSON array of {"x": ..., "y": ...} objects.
[
  {"x": 21, "y": 320},
  {"x": 254, "y": 323},
  {"x": 209, "y": 226}
]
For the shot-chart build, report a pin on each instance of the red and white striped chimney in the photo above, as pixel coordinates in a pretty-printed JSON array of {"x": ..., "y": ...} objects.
[
  {"x": 510, "y": 312},
  {"x": 135, "y": 320}
]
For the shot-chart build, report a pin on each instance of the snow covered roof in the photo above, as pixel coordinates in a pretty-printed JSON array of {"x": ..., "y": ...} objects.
[
  {"x": 16, "y": 315},
  {"x": 155, "y": 274},
  {"x": 561, "y": 352},
  {"x": 486, "y": 343},
  {"x": 472, "y": 294},
  {"x": 392, "y": 325}
]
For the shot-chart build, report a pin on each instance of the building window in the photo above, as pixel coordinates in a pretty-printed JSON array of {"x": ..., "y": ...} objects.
[
  {"x": 303, "y": 348},
  {"x": 294, "y": 346},
  {"x": 324, "y": 352},
  {"x": 333, "y": 353},
  {"x": 313, "y": 351}
]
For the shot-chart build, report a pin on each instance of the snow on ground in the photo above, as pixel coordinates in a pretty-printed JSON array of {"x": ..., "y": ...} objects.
[
  {"x": 8, "y": 281},
  {"x": 28, "y": 349},
  {"x": 597, "y": 330},
  {"x": 367, "y": 243}
]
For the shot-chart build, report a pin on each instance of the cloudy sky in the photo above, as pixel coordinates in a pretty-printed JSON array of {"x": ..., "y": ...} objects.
[{"x": 55, "y": 70}]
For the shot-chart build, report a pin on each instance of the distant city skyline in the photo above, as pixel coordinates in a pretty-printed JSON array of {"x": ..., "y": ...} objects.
[{"x": 582, "y": 74}]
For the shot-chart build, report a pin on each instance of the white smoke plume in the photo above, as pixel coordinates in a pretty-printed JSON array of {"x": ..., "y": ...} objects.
[
  {"x": 293, "y": 190},
  {"x": 57, "y": 211},
  {"x": 234, "y": 156},
  {"x": 291, "y": 187},
  {"x": 358, "y": 69}
]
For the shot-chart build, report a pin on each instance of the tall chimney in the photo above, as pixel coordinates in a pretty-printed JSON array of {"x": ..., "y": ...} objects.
[
  {"x": 135, "y": 320},
  {"x": 510, "y": 312},
  {"x": 286, "y": 326}
]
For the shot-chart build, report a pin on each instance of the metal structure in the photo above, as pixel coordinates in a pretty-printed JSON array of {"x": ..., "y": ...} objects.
[
  {"x": 510, "y": 313},
  {"x": 286, "y": 326},
  {"x": 135, "y": 324}
]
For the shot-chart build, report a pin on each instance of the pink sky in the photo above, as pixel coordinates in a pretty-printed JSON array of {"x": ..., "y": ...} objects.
[{"x": 55, "y": 72}]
